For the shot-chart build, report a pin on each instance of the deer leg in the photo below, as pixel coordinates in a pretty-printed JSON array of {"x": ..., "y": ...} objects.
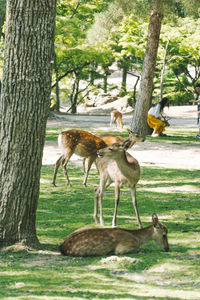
[
  {"x": 100, "y": 205},
  {"x": 84, "y": 162},
  {"x": 133, "y": 195},
  {"x": 68, "y": 154},
  {"x": 57, "y": 165},
  {"x": 104, "y": 183},
  {"x": 90, "y": 161},
  {"x": 117, "y": 191},
  {"x": 96, "y": 199}
]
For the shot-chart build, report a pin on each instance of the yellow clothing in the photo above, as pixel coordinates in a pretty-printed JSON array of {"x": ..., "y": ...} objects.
[{"x": 155, "y": 123}]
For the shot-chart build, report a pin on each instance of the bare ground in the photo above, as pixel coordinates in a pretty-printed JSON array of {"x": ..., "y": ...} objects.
[{"x": 170, "y": 155}]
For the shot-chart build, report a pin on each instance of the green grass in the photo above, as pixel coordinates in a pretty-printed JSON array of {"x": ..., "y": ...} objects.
[{"x": 149, "y": 274}]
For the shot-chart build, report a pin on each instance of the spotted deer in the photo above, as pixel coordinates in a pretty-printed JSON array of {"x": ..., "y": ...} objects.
[
  {"x": 109, "y": 140},
  {"x": 116, "y": 165},
  {"x": 116, "y": 117},
  {"x": 105, "y": 241},
  {"x": 81, "y": 143}
]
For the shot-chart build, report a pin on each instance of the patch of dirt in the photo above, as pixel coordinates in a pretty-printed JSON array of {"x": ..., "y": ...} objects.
[{"x": 148, "y": 153}]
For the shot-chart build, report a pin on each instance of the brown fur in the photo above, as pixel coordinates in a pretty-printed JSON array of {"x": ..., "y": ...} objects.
[
  {"x": 118, "y": 166},
  {"x": 116, "y": 117},
  {"x": 81, "y": 143},
  {"x": 104, "y": 241}
]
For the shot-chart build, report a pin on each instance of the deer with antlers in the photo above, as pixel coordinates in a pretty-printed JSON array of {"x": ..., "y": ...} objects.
[
  {"x": 116, "y": 165},
  {"x": 106, "y": 241}
]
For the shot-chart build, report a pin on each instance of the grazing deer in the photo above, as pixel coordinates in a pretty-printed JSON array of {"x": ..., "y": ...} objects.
[
  {"x": 105, "y": 241},
  {"x": 116, "y": 117},
  {"x": 81, "y": 143},
  {"x": 116, "y": 165}
]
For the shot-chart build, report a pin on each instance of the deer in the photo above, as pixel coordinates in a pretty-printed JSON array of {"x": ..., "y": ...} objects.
[
  {"x": 116, "y": 165},
  {"x": 109, "y": 140},
  {"x": 106, "y": 241},
  {"x": 85, "y": 145},
  {"x": 81, "y": 143},
  {"x": 116, "y": 117}
]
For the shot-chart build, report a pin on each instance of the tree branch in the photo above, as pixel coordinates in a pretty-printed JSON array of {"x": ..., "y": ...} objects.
[{"x": 71, "y": 71}]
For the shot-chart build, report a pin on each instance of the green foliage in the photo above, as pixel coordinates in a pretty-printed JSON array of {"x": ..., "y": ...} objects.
[
  {"x": 182, "y": 59},
  {"x": 74, "y": 57}
]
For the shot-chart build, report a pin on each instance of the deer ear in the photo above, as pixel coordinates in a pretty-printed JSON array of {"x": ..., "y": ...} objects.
[{"x": 155, "y": 219}]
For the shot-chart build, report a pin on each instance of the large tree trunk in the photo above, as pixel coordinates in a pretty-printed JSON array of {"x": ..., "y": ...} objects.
[
  {"x": 139, "y": 121},
  {"x": 57, "y": 106},
  {"x": 24, "y": 107}
]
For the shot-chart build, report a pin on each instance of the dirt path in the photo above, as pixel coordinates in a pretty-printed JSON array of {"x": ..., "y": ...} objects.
[{"x": 170, "y": 155}]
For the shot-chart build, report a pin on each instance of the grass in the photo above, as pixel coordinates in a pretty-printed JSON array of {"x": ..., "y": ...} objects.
[{"x": 149, "y": 274}]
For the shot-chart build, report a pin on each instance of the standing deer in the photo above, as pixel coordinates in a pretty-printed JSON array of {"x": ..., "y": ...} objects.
[
  {"x": 116, "y": 165},
  {"x": 106, "y": 241},
  {"x": 116, "y": 117},
  {"x": 81, "y": 143},
  {"x": 109, "y": 140}
]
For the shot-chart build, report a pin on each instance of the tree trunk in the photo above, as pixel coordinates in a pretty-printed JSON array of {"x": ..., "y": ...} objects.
[
  {"x": 163, "y": 71},
  {"x": 75, "y": 96},
  {"x": 24, "y": 107},
  {"x": 57, "y": 106},
  {"x": 124, "y": 77},
  {"x": 139, "y": 121},
  {"x": 105, "y": 82}
]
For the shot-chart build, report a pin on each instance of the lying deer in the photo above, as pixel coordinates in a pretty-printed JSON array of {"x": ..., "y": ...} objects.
[
  {"x": 116, "y": 117},
  {"x": 81, "y": 143},
  {"x": 106, "y": 241},
  {"x": 116, "y": 165}
]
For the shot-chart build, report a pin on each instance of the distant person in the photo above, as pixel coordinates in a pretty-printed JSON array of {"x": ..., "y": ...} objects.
[
  {"x": 154, "y": 117},
  {"x": 197, "y": 100}
]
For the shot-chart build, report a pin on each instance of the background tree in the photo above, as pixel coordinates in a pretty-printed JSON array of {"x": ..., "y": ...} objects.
[
  {"x": 73, "y": 20},
  {"x": 158, "y": 8},
  {"x": 145, "y": 92},
  {"x": 24, "y": 109}
]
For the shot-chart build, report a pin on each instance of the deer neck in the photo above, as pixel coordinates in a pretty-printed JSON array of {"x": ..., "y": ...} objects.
[
  {"x": 124, "y": 166},
  {"x": 144, "y": 235}
]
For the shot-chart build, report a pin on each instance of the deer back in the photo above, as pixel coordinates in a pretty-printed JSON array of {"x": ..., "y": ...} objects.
[
  {"x": 84, "y": 143},
  {"x": 98, "y": 241},
  {"x": 111, "y": 139}
]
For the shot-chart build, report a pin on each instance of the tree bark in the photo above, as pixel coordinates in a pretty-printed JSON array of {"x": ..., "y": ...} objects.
[
  {"x": 139, "y": 121},
  {"x": 124, "y": 78},
  {"x": 57, "y": 106},
  {"x": 24, "y": 108}
]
